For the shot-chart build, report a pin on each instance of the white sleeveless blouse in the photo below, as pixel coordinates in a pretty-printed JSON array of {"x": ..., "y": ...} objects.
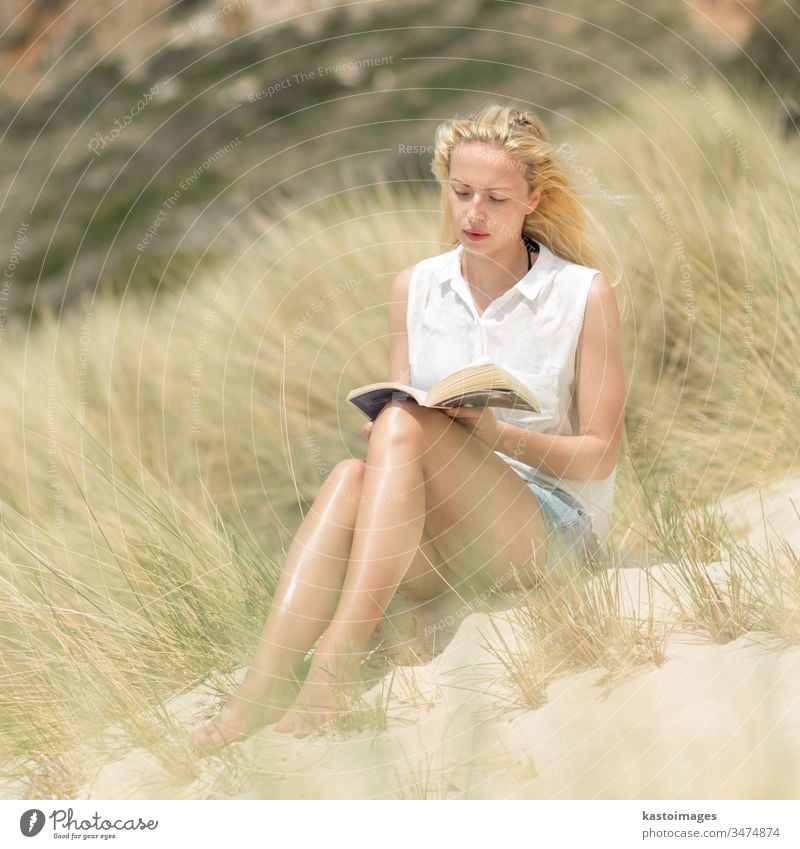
[{"x": 531, "y": 330}]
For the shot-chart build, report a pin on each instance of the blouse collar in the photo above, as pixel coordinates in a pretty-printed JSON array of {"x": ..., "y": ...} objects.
[{"x": 529, "y": 286}]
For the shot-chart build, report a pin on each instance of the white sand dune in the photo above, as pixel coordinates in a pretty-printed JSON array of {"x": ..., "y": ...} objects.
[
  {"x": 712, "y": 722},
  {"x": 768, "y": 516},
  {"x": 715, "y": 722}
]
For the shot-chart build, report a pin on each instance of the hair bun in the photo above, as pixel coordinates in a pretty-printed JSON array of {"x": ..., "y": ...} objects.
[{"x": 525, "y": 121}]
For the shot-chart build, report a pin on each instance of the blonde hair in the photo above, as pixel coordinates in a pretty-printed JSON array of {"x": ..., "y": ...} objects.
[{"x": 560, "y": 220}]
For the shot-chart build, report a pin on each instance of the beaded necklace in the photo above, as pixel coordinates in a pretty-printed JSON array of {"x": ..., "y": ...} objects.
[{"x": 533, "y": 247}]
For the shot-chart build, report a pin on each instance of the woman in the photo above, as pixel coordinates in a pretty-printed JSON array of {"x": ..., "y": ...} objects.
[{"x": 512, "y": 490}]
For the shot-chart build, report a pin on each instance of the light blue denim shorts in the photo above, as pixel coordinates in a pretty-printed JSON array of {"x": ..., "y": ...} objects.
[{"x": 570, "y": 536}]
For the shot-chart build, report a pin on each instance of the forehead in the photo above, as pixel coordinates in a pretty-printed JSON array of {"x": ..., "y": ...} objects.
[{"x": 485, "y": 165}]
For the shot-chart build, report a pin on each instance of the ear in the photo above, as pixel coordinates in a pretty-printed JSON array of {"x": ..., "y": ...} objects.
[{"x": 533, "y": 201}]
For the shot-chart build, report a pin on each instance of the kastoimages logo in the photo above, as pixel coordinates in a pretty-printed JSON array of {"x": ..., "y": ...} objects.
[{"x": 31, "y": 822}]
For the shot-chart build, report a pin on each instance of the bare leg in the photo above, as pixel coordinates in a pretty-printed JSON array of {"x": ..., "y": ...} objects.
[
  {"x": 305, "y": 599},
  {"x": 476, "y": 501},
  {"x": 389, "y": 528}
]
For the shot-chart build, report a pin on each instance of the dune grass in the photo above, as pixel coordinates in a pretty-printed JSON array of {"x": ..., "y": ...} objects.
[{"x": 161, "y": 449}]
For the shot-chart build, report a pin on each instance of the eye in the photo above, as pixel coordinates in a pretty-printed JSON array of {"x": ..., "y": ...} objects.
[
  {"x": 498, "y": 200},
  {"x": 461, "y": 194}
]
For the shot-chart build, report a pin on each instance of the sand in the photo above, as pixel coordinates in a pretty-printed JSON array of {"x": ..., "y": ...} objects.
[{"x": 712, "y": 721}]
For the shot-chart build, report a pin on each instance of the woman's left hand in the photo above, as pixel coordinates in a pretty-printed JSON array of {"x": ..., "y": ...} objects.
[{"x": 481, "y": 421}]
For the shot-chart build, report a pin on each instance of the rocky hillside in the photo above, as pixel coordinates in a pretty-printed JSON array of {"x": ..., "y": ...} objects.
[{"x": 134, "y": 133}]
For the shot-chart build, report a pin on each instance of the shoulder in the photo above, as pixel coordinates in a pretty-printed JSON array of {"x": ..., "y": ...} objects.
[
  {"x": 568, "y": 268},
  {"x": 401, "y": 283},
  {"x": 596, "y": 294},
  {"x": 601, "y": 299},
  {"x": 601, "y": 319}
]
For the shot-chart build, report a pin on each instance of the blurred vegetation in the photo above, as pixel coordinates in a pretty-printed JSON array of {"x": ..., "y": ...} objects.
[
  {"x": 167, "y": 431},
  {"x": 88, "y": 203}
]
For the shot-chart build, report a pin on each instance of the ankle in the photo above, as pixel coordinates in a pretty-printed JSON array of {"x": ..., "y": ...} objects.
[
  {"x": 283, "y": 677},
  {"x": 337, "y": 666}
]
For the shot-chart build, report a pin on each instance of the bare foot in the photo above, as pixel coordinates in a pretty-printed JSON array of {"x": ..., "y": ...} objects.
[
  {"x": 239, "y": 718},
  {"x": 322, "y": 697}
]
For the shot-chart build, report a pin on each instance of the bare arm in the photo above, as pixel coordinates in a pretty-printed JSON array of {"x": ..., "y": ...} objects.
[
  {"x": 600, "y": 398},
  {"x": 398, "y": 333}
]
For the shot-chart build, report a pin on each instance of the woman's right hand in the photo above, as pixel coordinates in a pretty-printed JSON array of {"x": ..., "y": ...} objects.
[{"x": 367, "y": 429}]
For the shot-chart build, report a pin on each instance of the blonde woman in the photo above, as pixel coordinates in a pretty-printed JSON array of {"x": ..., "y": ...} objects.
[{"x": 467, "y": 499}]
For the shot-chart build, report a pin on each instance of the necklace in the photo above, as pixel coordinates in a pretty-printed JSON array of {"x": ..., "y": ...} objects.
[{"x": 532, "y": 246}]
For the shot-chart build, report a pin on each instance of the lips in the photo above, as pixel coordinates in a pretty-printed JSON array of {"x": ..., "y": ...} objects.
[{"x": 475, "y": 234}]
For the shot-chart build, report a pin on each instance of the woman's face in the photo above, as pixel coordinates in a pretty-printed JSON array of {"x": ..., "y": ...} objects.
[{"x": 488, "y": 197}]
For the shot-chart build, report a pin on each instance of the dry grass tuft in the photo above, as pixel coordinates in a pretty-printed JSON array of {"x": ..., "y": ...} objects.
[{"x": 159, "y": 455}]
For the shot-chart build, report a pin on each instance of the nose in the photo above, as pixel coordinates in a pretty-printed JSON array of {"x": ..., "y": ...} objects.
[{"x": 476, "y": 212}]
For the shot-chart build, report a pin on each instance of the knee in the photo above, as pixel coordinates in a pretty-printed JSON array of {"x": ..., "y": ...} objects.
[
  {"x": 349, "y": 471},
  {"x": 402, "y": 419},
  {"x": 347, "y": 477}
]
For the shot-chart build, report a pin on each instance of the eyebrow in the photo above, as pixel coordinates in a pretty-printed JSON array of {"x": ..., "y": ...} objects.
[{"x": 488, "y": 188}]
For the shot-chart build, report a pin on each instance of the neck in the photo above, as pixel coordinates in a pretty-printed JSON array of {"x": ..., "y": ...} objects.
[{"x": 494, "y": 273}]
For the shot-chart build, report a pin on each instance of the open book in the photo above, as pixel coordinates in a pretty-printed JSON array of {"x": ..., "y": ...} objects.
[{"x": 481, "y": 385}]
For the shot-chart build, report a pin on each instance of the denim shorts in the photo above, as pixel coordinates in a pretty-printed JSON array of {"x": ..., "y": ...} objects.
[{"x": 570, "y": 536}]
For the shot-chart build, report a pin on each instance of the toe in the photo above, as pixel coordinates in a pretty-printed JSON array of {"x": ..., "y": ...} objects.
[
  {"x": 216, "y": 736},
  {"x": 284, "y": 725},
  {"x": 202, "y": 738},
  {"x": 210, "y": 738},
  {"x": 301, "y": 728}
]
